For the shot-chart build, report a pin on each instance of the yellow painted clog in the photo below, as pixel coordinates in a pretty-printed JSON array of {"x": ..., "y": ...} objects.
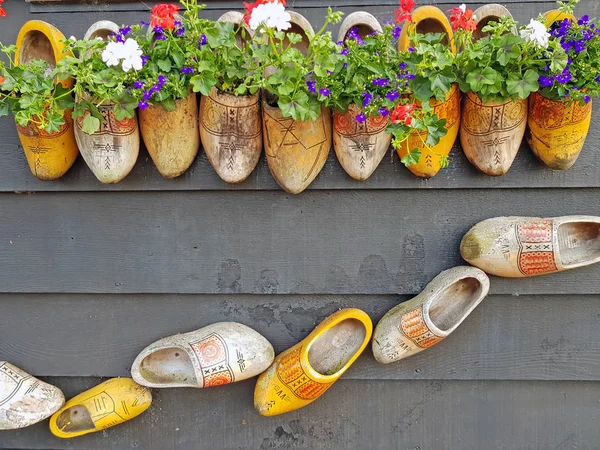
[
  {"x": 430, "y": 19},
  {"x": 110, "y": 403},
  {"x": 49, "y": 155},
  {"x": 304, "y": 372}
]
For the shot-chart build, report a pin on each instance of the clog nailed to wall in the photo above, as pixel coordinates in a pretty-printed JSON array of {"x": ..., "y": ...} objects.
[
  {"x": 215, "y": 355},
  {"x": 49, "y": 155},
  {"x": 429, "y": 19},
  {"x": 296, "y": 151},
  {"x": 304, "y": 372},
  {"x": 491, "y": 132},
  {"x": 427, "y": 319},
  {"x": 230, "y": 125},
  {"x": 112, "y": 151},
  {"x": 110, "y": 403},
  {"x": 526, "y": 246},
  {"x": 359, "y": 147},
  {"x": 557, "y": 128},
  {"x": 25, "y": 400}
]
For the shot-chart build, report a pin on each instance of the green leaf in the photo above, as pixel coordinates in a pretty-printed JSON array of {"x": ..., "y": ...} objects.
[
  {"x": 90, "y": 124},
  {"x": 169, "y": 104},
  {"x": 164, "y": 65},
  {"x": 178, "y": 57},
  {"x": 523, "y": 86},
  {"x": 412, "y": 157},
  {"x": 203, "y": 83},
  {"x": 3, "y": 109}
]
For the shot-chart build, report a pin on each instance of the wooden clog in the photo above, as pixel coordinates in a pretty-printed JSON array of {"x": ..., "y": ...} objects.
[
  {"x": 101, "y": 30},
  {"x": 304, "y": 372},
  {"x": 527, "y": 246},
  {"x": 110, "y": 403},
  {"x": 215, "y": 355},
  {"x": 25, "y": 400},
  {"x": 49, "y": 155},
  {"x": 492, "y": 12},
  {"x": 425, "y": 320},
  {"x": 231, "y": 132},
  {"x": 172, "y": 137},
  {"x": 430, "y": 19},
  {"x": 359, "y": 147}
]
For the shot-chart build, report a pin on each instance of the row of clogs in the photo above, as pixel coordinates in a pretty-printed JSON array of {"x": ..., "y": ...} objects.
[
  {"x": 231, "y": 128},
  {"x": 226, "y": 352}
]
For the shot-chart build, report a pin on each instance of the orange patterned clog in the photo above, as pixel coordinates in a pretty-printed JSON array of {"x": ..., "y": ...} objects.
[{"x": 304, "y": 372}]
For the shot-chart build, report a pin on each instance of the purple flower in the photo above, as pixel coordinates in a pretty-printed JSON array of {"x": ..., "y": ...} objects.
[
  {"x": 345, "y": 65},
  {"x": 158, "y": 30},
  {"x": 124, "y": 31},
  {"x": 145, "y": 60},
  {"x": 410, "y": 76},
  {"x": 545, "y": 81},
  {"x": 180, "y": 31},
  {"x": 392, "y": 95},
  {"x": 144, "y": 24},
  {"x": 202, "y": 41},
  {"x": 148, "y": 95},
  {"x": 597, "y": 80},
  {"x": 382, "y": 82},
  {"x": 138, "y": 85},
  {"x": 162, "y": 80},
  {"x": 324, "y": 91},
  {"x": 584, "y": 21},
  {"x": 177, "y": 23},
  {"x": 160, "y": 37},
  {"x": 345, "y": 51},
  {"x": 586, "y": 99},
  {"x": 143, "y": 105},
  {"x": 396, "y": 32},
  {"x": 362, "y": 117},
  {"x": 402, "y": 66},
  {"x": 384, "y": 112},
  {"x": 353, "y": 34},
  {"x": 187, "y": 70},
  {"x": 312, "y": 86},
  {"x": 367, "y": 99},
  {"x": 411, "y": 50}
]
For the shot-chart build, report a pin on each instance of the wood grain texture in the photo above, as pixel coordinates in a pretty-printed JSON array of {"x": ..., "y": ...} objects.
[
  {"x": 506, "y": 337},
  {"x": 351, "y": 415},
  {"x": 361, "y": 242}
]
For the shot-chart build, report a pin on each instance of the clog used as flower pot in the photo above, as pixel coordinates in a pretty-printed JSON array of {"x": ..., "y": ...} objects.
[
  {"x": 526, "y": 246},
  {"x": 301, "y": 374},
  {"x": 557, "y": 128},
  {"x": 430, "y": 19},
  {"x": 215, "y": 355},
  {"x": 49, "y": 155},
  {"x": 25, "y": 400},
  {"x": 491, "y": 132},
  {"x": 431, "y": 316},
  {"x": 231, "y": 132},
  {"x": 359, "y": 147},
  {"x": 110, "y": 403},
  {"x": 172, "y": 138}
]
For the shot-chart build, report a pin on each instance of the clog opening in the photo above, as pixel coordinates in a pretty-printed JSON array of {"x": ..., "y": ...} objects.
[
  {"x": 454, "y": 302},
  {"x": 303, "y": 44},
  {"x": 168, "y": 366},
  {"x": 36, "y": 46},
  {"x": 336, "y": 347},
  {"x": 579, "y": 242},
  {"x": 431, "y": 25},
  {"x": 363, "y": 31},
  {"x": 102, "y": 33},
  {"x": 478, "y": 34},
  {"x": 75, "y": 419}
]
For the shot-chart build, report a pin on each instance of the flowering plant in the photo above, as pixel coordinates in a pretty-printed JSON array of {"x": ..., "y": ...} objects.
[
  {"x": 502, "y": 65},
  {"x": 30, "y": 92},
  {"x": 2, "y": 10},
  {"x": 580, "y": 40}
]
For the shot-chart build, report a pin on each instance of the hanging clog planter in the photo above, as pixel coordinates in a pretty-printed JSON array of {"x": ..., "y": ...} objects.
[
  {"x": 112, "y": 151},
  {"x": 557, "y": 128},
  {"x": 296, "y": 150},
  {"x": 49, "y": 155},
  {"x": 231, "y": 127},
  {"x": 430, "y": 19},
  {"x": 491, "y": 132},
  {"x": 359, "y": 147}
]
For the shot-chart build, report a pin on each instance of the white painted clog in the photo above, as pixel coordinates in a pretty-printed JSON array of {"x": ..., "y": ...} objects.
[
  {"x": 215, "y": 355},
  {"x": 425, "y": 320}
]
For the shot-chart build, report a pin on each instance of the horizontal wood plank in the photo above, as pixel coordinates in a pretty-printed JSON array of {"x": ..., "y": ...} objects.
[
  {"x": 506, "y": 337},
  {"x": 351, "y": 415}
]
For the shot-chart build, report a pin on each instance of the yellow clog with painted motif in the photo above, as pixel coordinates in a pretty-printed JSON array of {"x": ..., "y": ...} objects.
[
  {"x": 49, "y": 155},
  {"x": 110, "y": 403},
  {"x": 430, "y": 19},
  {"x": 304, "y": 372}
]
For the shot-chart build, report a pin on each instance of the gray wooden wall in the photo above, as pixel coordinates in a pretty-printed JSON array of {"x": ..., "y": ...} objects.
[{"x": 91, "y": 274}]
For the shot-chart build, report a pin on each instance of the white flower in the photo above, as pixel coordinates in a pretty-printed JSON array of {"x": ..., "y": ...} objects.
[
  {"x": 128, "y": 52},
  {"x": 272, "y": 15},
  {"x": 537, "y": 33},
  {"x": 463, "y": 8}
]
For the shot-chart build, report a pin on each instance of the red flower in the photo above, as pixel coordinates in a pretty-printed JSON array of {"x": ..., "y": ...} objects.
[
  {"x": 460, "y": 18},
  {"x": 2, "y": 11},
  {"x": 1, "y": 79},
  {"x": 163, "y": 15},
  {"x": 250, "y": 7},
  {"x": 402, "y": 113},
  {"x": 405, "y": 11}
]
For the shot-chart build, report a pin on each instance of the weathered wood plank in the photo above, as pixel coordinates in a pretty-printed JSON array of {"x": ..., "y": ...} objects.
[
  {"x": 346, "y": 242},
  {"x": 352, "y": 415},
  {"x": 507, "y": 337}
]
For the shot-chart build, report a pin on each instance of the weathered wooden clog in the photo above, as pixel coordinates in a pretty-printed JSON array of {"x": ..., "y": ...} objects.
[
  {"x": 425, "y": 320},
  {"x": 101, "y": 30},
  {"x": 231, "y": 132},
  {"x": 304, "y": 372},
  {"x": 110, "y": 403},
  {"x": 49, "y": 155},
  {"x": 430, "y": 19},
  {"x": 359, "y": 147},
  {"x": 557, "y": 129},
  {"x": 525, "y": 246},
  {"x": 491, "y": 132},
  {"x": 25, "y": 400},
  {"x": 215, "y": 355},
  {"x": 172, "y": 137}
]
